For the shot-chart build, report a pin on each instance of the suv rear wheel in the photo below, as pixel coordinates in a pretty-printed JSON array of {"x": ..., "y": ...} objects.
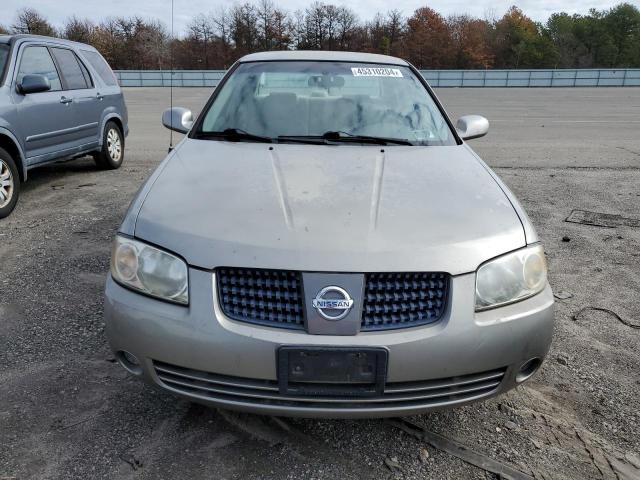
[
  {"x": 111, "y": 155},
  {"x": 9, "y": 184}
]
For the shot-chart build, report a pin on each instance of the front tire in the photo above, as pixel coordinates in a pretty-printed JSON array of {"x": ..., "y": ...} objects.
[
  {"x": 9, "y": 184},
  {"x": 111, "y": 155}
]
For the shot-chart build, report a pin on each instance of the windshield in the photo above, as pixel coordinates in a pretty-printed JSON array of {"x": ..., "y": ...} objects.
[
  {"x": 4, "y": 58},
  {"x": 309, "y": 99}
]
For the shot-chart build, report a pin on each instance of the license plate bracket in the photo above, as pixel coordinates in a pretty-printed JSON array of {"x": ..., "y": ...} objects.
[{"x": 332, "y": 371}]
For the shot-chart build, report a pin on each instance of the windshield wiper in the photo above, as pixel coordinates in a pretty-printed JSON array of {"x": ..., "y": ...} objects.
[
  {"x": 345, "y": 136},
  {"x": 312, "y": 139},
  {"x": 235, "y": 135},
  {"x": 339, "y": 136}
]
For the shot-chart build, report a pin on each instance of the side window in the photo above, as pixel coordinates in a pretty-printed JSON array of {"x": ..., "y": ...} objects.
[
  {"x": 71, "y": 71},
  {"x": 37, "y": 61},
  {"x": 101, "y": 66},
  {"x": 85, "y": 72}
]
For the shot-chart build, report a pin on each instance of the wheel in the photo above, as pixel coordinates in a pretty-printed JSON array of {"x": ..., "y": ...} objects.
[
  {"x": 9, "y": 184},
  {"x": 111, "y": 155}
]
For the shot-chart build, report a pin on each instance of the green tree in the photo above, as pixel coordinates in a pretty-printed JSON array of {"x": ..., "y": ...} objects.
[
  {"x": 622, "y": 24},
  {"x": 561, "y": 30},
  {"x": 521, "y": 43},
  {"x": 601, "y": 51}
]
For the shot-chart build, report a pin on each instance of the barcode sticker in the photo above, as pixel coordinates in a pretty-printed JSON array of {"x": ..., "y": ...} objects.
[{"x": 376, "y": 72}]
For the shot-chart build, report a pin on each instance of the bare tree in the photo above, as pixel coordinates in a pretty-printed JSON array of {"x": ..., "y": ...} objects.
[
  {"x": 316, "y": 26},
  {"x": 221, "y": 20},
  {"x": 78, "y": 30},
  {"x": 265, "y": 12},
  {"x": 376, "y": 33},
  {"x": 244, "y": 28},
  {"x": 222, "y": 25},
  {"x": 298, "y": 30},
  {"x": 153, "y": 43},
  {"x": 105, "y": 39},
  {"x": 601, "y": 38},
  {"x": 133, "y": 43},
  {"x": 30, "y": 21},
  {"x": 201, "y": 30},
  {"x": 282, "y": 30},
  {"x": 331, "y": 14},
  {"x": 347, "y": 23},
  {"x": 395, "y": 30}
]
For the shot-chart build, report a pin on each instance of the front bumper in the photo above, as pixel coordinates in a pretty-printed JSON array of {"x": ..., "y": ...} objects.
[{"x": 197, "y": 352}]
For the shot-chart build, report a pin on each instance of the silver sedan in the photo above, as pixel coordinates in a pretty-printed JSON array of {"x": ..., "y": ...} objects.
[{"x": 324, "y": 242}]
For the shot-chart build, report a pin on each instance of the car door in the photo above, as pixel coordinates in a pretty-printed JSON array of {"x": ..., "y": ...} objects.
[
  {"x": 108, "y": 89},
  {"x": 46, "y": 119},
  {"x": 87, "y": 103}
]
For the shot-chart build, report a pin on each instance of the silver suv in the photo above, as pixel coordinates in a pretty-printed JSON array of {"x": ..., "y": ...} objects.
[
  {"x": 59, "y": 100},
  {"x": 323, "y": 242}
]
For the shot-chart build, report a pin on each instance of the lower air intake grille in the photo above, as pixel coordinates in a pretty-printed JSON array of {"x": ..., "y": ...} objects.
[
  {"x": 422, "y": 394},
  {"x": 402, "y": 300},
  {"x": 265, "y": 297}
]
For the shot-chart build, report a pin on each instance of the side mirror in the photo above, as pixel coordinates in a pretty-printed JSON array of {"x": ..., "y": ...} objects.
[
  {"x": 34, "y": 84},
  {"x": 472, "y": 126},
  {"x": 177, "y": 119}
]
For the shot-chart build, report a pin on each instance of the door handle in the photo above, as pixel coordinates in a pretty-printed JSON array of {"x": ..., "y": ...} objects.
[
  {"x": 98, "y": 96},
  {"x": 66, "y": 100}
]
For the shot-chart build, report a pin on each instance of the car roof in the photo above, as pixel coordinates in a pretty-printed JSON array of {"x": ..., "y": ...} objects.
[
  {"x": 10, "y": 39},
  {"x": 322, "y": 55}
]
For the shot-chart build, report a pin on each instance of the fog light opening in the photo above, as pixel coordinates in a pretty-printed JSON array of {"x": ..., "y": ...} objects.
[
  {"x": 129, "y": 362},
  {"x": 527, "y": 369}
]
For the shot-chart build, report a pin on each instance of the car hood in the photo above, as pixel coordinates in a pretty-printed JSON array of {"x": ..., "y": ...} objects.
[{"x": 339, "y": 208}]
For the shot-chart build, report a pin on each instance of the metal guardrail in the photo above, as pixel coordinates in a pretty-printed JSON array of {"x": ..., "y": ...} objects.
[
  {"x": 163, "y": 78},
  {"x": 534, "y": 78},
  {"x": 623, "y": 77}
]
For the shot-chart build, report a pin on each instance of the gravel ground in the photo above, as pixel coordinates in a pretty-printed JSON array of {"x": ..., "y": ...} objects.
[{"x": 67, "y": 410}]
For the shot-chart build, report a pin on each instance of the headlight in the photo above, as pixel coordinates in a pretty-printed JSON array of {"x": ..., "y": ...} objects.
[
  {"x": 511, "y": 277},
  {"x": 149, "y": 270}
]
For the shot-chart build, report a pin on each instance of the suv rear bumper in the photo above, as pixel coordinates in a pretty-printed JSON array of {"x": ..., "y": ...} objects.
[{"x": 198, "y": 353}]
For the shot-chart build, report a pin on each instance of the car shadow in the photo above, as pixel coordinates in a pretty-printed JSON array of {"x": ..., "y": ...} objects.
[{"x": 58, "y": 172}]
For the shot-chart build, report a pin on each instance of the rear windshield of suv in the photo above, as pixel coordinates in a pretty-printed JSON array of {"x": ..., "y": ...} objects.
[
  {"x": 298, "y": 98},
  {"x": 4, "y": 58},
  {"x": 101, "y": 66}
]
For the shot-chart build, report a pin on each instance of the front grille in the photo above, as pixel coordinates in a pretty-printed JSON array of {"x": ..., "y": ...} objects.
[
  {"x": 420, "y": 394},
  {"x": 274, "y": 298},
  {"x": 401, "y": 300},
  {"x": 265, "y": 297}
]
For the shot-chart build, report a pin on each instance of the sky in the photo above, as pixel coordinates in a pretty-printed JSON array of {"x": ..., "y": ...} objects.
[{"x": 58, "y": 10}]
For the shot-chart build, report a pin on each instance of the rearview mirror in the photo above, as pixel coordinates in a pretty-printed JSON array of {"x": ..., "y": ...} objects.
[
  {"x": 34, "y": 84},
  {"x": 178, "y": 119},
  {"x": 472, "y": 126}
]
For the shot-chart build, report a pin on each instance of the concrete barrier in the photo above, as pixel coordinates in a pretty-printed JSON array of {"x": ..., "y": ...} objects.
[{"x": 623, "y": 77}]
